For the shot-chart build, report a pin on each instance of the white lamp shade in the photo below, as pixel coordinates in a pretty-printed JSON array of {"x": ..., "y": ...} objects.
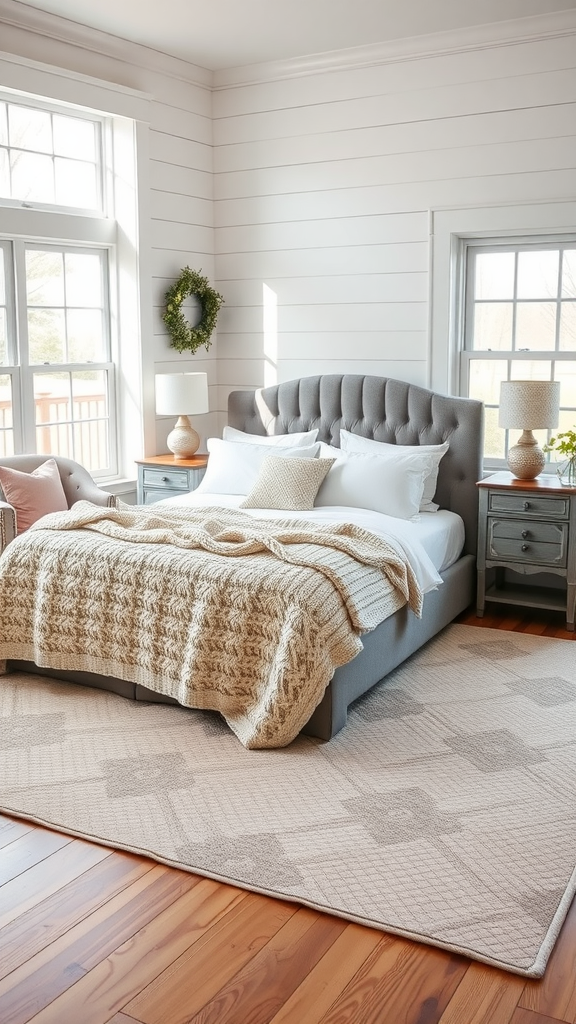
[
  {"x": 529, "y": 404},
  {"x": 178, "y": 394}
]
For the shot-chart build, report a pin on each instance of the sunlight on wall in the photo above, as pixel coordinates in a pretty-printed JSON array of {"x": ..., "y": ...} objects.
[{"x": 270, "y": 334}]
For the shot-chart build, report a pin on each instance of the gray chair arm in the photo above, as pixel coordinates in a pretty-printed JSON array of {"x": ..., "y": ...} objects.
[
  {"x": 87, "y": 490},
  {"x": 7, "y": 524}
]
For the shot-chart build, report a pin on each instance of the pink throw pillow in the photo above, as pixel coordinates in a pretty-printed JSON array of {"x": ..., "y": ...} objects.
[{"x": 34, "y": 494}]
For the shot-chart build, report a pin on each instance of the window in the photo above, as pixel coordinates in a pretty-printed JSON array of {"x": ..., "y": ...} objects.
[
  {"x": 57, "y": 377},
  {"x": 49, "y": 157},
  {"x": 519, "y": 324}
]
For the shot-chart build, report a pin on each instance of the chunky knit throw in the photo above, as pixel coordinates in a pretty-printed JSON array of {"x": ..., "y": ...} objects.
[{"x": 248, "y": 617}]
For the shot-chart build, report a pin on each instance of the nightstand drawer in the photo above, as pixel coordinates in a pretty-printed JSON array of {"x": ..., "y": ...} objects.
[
  {"x": 537, "y": 505},
  {"x": 529, "y": 542},
  {"x": 167, "y": 479}
]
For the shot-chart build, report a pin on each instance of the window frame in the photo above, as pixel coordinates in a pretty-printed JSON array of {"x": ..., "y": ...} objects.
[
  {"x": 58, "y": 228},
  {"x": 464, "y": 305},
  {"x": 103, "y": 145}
]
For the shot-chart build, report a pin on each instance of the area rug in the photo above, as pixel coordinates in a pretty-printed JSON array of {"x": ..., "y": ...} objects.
[{"x": 445, "y": 811}]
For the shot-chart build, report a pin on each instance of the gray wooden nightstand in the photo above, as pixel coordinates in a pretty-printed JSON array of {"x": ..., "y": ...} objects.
[
  {"x": 526, "y": 527},
  {"x": 163, "y": 476}
]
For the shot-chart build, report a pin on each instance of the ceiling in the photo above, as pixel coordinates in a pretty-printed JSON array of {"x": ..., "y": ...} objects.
[{"x": 219, "y": 34}]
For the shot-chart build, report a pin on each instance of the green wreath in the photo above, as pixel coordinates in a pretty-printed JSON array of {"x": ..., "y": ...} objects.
[{"x": 184, "y": 337}]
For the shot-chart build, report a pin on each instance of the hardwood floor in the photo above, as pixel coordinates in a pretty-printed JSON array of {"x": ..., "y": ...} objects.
[{"x": 89, "y": 935}]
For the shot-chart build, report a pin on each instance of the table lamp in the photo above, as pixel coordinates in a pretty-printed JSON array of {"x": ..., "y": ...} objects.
[
  {"x": 528, "y": 405},
  {"x": 178, "y": 394}
]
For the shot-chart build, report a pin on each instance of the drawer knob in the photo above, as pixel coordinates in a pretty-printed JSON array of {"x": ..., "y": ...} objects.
[
  {"x": 524, "y": 534},
  {"x": 525, "y": 547},
  {"x": 526, "y": 506},
  {"x": 165, "y": 479}
]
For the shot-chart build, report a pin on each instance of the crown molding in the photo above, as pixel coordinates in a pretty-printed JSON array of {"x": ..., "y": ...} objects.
[
  {"x": 21, "y": 16},
  {"x": 502, "y": 33},
  {"x": 35, "y": 65}
]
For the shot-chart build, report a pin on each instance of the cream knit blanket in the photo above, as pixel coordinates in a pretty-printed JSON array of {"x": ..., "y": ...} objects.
[{"x": 220, "y": 610}]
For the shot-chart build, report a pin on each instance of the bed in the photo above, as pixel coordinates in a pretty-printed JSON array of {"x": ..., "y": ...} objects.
[{"x": 383, "y": 410}]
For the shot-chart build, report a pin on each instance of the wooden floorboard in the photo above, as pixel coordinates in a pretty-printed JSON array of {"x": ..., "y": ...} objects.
[{"x": 96, "y": 936}]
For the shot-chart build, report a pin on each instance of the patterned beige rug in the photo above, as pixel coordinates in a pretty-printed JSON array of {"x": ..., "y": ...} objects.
[{"x": 445, "y": 811}]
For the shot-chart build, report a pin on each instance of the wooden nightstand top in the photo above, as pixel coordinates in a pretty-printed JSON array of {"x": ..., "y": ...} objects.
[
  {"x": 195, "y": 462},
  {"x": 546, "y": 483}
]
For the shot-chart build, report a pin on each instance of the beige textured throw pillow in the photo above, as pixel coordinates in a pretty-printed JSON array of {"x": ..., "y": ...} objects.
[{"x": 290, "y": 484}]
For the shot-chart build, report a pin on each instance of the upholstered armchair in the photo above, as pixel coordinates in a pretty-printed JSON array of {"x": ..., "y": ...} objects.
[{"x": 76, "y": 482}]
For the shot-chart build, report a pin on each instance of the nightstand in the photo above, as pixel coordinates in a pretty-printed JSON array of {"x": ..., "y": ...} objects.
[
  {"x": 163, "y": 476},
  {"x": 526, "y": 527}
]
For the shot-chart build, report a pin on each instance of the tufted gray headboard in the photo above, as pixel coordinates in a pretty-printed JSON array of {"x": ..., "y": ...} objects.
[{"x": 383, "y": 409}]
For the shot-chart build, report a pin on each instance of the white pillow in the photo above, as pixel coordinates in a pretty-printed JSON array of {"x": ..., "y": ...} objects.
[
  {"x": 328, "y": 451},
  {"x": 302, "y": 440},
  {"x": 355, "y": 443},
  {"x": 391, "y": 486},
  {"x": 233, "y": 468}
]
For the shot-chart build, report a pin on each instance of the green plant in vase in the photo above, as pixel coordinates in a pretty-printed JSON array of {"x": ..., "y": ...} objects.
[{"x": 565, "y": 444}]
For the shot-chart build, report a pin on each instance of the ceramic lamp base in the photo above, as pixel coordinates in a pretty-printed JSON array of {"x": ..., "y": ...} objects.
[
  {"x": 183, "y": 441},
  {"x": 526, "y": 460}
]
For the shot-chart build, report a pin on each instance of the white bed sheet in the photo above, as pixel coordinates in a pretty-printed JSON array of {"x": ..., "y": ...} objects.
[{"x": 431, "y": 541}]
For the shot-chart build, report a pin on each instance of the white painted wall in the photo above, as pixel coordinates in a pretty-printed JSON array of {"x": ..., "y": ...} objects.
[
  {"x": 175, "y": 225},
  {"x": 325, "y": 182},
  {"x": 306, "y": 190}
]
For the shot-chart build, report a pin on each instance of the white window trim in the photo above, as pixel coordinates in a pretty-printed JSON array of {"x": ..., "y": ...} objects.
[{"x": 448, "y": 228}]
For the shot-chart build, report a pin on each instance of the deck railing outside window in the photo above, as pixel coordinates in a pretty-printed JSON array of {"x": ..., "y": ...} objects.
[{"x": 78, "y": 433}]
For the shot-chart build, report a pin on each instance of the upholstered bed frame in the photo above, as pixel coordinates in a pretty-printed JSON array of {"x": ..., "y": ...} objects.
[
  {"x": 386, "y": 410},
  {"x": 397, "y": 413}
]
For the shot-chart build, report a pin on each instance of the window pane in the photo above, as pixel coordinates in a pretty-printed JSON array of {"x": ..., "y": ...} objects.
[
  {"x": 46, "y": 336},
  {"x": 30, "y": 129},
  {"x": 44, "y": 278},
  {"x": 494, "y": 275},
  {"x": 74, "y": 137},
  {"x": 536, "y": 325},
  {"x": 538, "y": 274},
  {"x": 566, "y": 422},
  {"x": 485, "y": 378},
  {"x": 89, "y": 388},
  {"x": 83, "y": 279},
  {"x": 32, "y": 177},
  {"x": 530, "y": 369},
  {"x": 90, "y": 412},
  {"x": 5, "y": 189},
  {"x": 85, "y": 336},
  {"x": 91, "y": 444},
  {"x": 76, "y": 183},
  {"x": 494, "y": 436},
  {"x": 566, "y": 374},
  {"x": 493, "y": 326},
  {"x": 6, "y": 432},
  {"x": 50, "y": 158},
  {"x": 569, "y": 274},
  {"x": 3, "y": 338},
  {"x": 568, "y": 326},
  {"x": 72, "y": 416},
  {"x": 2, "y": 279},
  {"x": 3, "y": 125},
  {"x": 52, "y": 413}
]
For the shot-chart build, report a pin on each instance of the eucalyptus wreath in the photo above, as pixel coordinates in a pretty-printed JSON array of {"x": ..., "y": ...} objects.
[{"x": 184, "y": 337}]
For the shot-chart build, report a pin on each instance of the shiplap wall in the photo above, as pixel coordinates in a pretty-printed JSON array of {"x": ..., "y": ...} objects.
[
  {"x": 324, "y": 184},
  {"x": 176, "y": 213},
  {"x": 305, "y": 195}
]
